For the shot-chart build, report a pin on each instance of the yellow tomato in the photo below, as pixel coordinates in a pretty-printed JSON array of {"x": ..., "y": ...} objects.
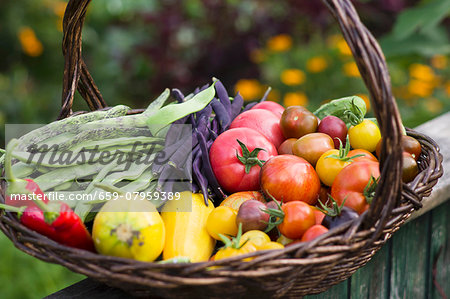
[
  {"x": 364, "y": 135},
  {"x": 271, "y": 246},
  {"x": 130, "y": 229},
  {"x": 222, "y": 220},
  {"x": 257, "y": 237},
  {"x": 227, "y": 252},
  {"x": 284, "y": 240},
  {"x": 327, "y": 167}
]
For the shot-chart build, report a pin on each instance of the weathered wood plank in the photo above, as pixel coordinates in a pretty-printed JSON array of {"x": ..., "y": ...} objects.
[
  {"x": 438, "y": 129},
  {"x": 372, "y": 280},
  {"x": 338, "y": 291},
  {"x": 440, "y": 251},
  {"x": 410, "y": 254}
]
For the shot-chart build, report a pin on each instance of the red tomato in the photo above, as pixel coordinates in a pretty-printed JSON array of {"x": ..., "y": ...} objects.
[
  {"x": 298, "y": 218},
  {"x": 311, "y": 146},
  {"x": 271, "y": 106},
  {"x": 297, "y": 121},
  {"x": 319, "y": 215},
  {"x": 263, "y": 121},
  {"x": 286, "y": 147},
  {"x": 235, "y": 200},
  {"x": 351, "y": 182},
  {"x": 313, "y": 232},
  {"x": 335, "y": 128},
  {"x": 229, "y": 171},
  {"x": 290, "y": 178}
]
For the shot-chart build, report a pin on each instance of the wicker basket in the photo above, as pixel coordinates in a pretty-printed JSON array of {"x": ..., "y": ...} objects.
[{"x": 301, "y": 269}]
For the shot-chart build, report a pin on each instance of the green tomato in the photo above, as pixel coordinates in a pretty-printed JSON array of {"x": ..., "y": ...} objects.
[
  {"x": 364, "y": 135},
  {"x": 129, "y": 229}
]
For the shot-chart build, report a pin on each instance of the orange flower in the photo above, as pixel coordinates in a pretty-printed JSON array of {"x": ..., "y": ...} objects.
[
  {"x": 31, "y": 45},
  {"x": 249, "y": 89},
  {"x": 59, "y": 8},
  {"x": 447, "y": 88},
  {"x": 422, "y": 72},
  {"x": 439, "y": 61},
  {"x": 343, "y": 47},
  {"x": 274, "y": 96},
  {"x": 295, "y": 99},
  {"x": 316, "y": 64},
  {"x": 279, "y": 43},
  {"x": 351, "y": 69},
  {"x": 366, "y": 100},
  {"x": 292, "y": 77},
  {"x": 420, "y": 88}
]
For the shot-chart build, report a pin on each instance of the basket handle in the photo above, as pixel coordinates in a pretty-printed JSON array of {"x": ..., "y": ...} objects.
[
  {"x": 368, "y": 56},
  {"x": 372, "y": 66},
  {"x": 76, "y": 74}
]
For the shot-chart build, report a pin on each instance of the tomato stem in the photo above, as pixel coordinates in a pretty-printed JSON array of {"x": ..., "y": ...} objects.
[
  {"x": 369, "y": 190},
  {"x": 249, "y": 159},
  {"x": 334, "y": 210}
]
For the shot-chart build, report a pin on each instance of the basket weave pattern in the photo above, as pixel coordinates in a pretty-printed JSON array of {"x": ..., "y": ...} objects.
[{"x": 304, "y": 268}]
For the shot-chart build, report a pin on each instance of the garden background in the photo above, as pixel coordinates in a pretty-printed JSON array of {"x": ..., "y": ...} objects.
[{"x": 135, "y": 49}]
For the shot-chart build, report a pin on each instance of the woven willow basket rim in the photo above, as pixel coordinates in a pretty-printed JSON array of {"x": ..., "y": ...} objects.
[{"x": 300, "y": 269}]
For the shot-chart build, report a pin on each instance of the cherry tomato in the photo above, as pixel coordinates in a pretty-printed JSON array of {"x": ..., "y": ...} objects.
[
  {"x": 286, "y": 147},
  {"x": 410, "y": 168},
  {"x": 364, "y": 135},
  {"x": 271, "y": 246},
  {"x": 256, "y": 237},
  {"x": 366, "y": 155},
  {"x": 227, "y": 252},
  {"x": 271, "y": 106},
  {"x": 313, "y": 232},
  {"x": 252, "y": 216},
  {"x": 328, "y": 167},
  {"x": 409, "y": 145},
  {"x": 335, "y": 128},
  {"x": 311, "y": 146},
  {"x": 297, "y": 121},
  {"x": 352, "y": 185},
  {"x": 290, "y": 178},
  {"x": 228, "y": 169},
  {"x": 319, "y": 215},
  {"x": 298, "y": 217},
  {"x": 263, "y": 121},
  {"x": 222, "y": 220},
  {"x": 235, "y": 200}
]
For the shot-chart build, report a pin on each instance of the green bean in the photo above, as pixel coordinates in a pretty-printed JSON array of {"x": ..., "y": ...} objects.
[
  {"x": 64, "y": 186},
  {"x": 170, "y": 113},
  {"x": 140, "y": 183},
  {"x": 133, "y": 173},
  {"x": 22, "y": 170},
  {"x": 59, "y": 176},
  {"x": 61, "y": 126},
  {"x": 101, "y": 175}
]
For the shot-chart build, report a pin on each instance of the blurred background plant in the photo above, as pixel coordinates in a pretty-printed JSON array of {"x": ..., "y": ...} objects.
[{"x": 134, "y": 49}]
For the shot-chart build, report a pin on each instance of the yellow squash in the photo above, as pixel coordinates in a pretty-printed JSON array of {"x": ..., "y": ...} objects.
[{"x": 185, "y": 225}]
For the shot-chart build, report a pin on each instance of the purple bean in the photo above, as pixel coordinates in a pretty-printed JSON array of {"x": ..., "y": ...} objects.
[
  {"x": 178, "y": 95},
  {"x": 249, "y": 106},
  {"x": 213, "y": 135},
  {"x": 199, "y": 177},
  {"x": 206, "y": 166},
  {"x": 221, "y": 114},
  {"x": 223, "y": 96},
  {"x": 236, "y": 106},
  {"x": 204, "y": 112}
]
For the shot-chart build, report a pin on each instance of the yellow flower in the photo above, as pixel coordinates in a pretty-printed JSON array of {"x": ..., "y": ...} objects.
[
  {"x": 249, "y": 89},
  {"x": 366, "y": 100},
  {"x": 343, "y": 47},
  {"x": 422, "y": 72},
  {"x": 439, "y": 61},
  {"x": 351, "y": 69},
  {"x": 31, "y": 45},
  {"x": 433, "y": 105},
  {"x": 316, "y": 64},
  {"x": 292, "y": 77},
  {"x": 257, "y": 56},
  {"x": 295, "y": 99},
  {"x": 420, "y": 88},
  {"x": 279, "y": 43}
]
